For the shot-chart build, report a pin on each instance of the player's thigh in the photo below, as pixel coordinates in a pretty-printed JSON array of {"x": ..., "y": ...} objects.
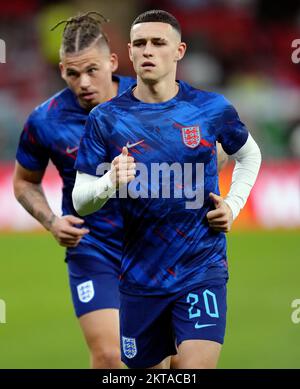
[
  {"x": 94, "y": 285},
  {"x": 146, "y": 330},
  {"x": 101, "y": 328},
  {"x": 198, "y": 354},
  {"x": 199, "y": 320},
  {"x": 164, "y": 364}
]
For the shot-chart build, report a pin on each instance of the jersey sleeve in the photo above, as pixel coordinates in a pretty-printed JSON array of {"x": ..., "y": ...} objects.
[
  {"x": 32, "y": 154},
  {"x": 92, "y": 150},
  {"x": 231, "y": 131}
]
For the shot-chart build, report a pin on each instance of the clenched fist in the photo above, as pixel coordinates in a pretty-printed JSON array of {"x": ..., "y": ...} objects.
[
  {"x": 122, "y": 169},
  {"x": 66, "y": 230},
  {"x": 220, "y": 219}
]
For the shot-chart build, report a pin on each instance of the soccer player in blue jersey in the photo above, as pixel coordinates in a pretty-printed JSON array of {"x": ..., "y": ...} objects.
[
  {"x": 174, "y": 263},
  {"x": 52, "y": 132}
]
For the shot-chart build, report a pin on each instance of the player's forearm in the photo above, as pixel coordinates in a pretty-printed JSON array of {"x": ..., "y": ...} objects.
[
  {"x": 90, "y": 193},
  {"x": 248, "y": 160},
  {"x": 32, "y": 198}
]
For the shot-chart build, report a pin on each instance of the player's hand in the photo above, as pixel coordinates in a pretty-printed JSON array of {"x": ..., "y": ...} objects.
[
  {"x": 122, "y": 169},
  {"x": 220, "y": 219},
  {"x": 65, "y": 231}
]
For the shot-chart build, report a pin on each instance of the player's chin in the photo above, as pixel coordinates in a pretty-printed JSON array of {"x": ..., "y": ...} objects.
[
  {"x": 88, "y": 104},
  {"x": 149, "y": 74}
]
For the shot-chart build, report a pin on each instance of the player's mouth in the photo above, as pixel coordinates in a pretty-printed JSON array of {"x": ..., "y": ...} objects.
[
  {"x": 88, "y": 95},
  {"x": 148, "y": 64}
]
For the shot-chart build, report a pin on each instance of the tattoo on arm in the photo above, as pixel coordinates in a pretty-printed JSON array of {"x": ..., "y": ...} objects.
[
  {"x": 44, "y": 220},
  {"x": 34, "y": 201}
]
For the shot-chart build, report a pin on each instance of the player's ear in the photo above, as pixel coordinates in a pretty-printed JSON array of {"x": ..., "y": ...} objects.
[
  {"x": 129, "y": 51},
  {"x": 62, "y": 71},
  {"x": 114, "y": 62},
  {"x": 181, "y": 49}
]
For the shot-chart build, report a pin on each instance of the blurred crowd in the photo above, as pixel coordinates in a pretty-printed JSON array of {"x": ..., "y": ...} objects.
[{"x": 241, "y": 48}]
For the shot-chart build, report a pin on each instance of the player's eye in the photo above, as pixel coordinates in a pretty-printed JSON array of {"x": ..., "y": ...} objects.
[
  {"x": 138, "y": 44},
  {"x": 92, "y": 70},
  {"x": 71, "y": 73}
]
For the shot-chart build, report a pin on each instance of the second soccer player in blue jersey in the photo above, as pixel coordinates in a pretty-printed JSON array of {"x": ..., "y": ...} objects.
[
  {"x": 174, "y": 264},
  {"x": 52, "y": 132}
]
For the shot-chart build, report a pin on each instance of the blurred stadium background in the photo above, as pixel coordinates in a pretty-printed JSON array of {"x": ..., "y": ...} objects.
[{"x": 242, "y": 48}]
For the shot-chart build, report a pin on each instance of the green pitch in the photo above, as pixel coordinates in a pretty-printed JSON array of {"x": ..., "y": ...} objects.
[{"x": 41, "y": 330}]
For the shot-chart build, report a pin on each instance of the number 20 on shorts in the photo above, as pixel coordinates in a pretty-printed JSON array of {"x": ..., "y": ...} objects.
[{"x": 210, "y": 303}]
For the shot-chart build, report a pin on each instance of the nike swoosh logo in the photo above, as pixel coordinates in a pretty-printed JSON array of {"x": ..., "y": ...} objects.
[
  {"x": 130, "y": 145},
  {"x": 71, "y": 151},
  {"x": 197, "y": 326}
]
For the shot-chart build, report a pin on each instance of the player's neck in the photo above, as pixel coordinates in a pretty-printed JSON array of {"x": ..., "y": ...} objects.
[
  {"x": 115, "y": 89},
  {"x": 111, "y": 92},
  {"x": 159, "y": 92}
]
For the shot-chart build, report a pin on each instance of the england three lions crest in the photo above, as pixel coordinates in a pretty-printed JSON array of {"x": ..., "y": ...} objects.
[
  {"x": 86, "y": 291},
  {"x": 129, "y": 347},
  {"x": 191, "y": 136}
]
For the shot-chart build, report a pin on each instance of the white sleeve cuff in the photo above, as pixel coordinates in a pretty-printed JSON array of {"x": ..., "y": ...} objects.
[
  {"x": 90, "y": 193},
  {"x": 247, "y": 164}
]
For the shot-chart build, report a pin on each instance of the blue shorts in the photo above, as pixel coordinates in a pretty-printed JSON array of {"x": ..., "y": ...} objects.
[
  {"x": 151, "y": 325},
  {"x": 94, "y": 284}
]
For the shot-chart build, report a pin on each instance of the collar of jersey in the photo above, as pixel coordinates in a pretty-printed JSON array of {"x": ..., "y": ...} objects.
[{"x": 165, "y": 104}]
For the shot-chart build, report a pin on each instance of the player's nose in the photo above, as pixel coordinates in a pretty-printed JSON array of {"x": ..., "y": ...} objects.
[
  {"x": 84, "y": 81},
  {"x": 148, "y": 50}
]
